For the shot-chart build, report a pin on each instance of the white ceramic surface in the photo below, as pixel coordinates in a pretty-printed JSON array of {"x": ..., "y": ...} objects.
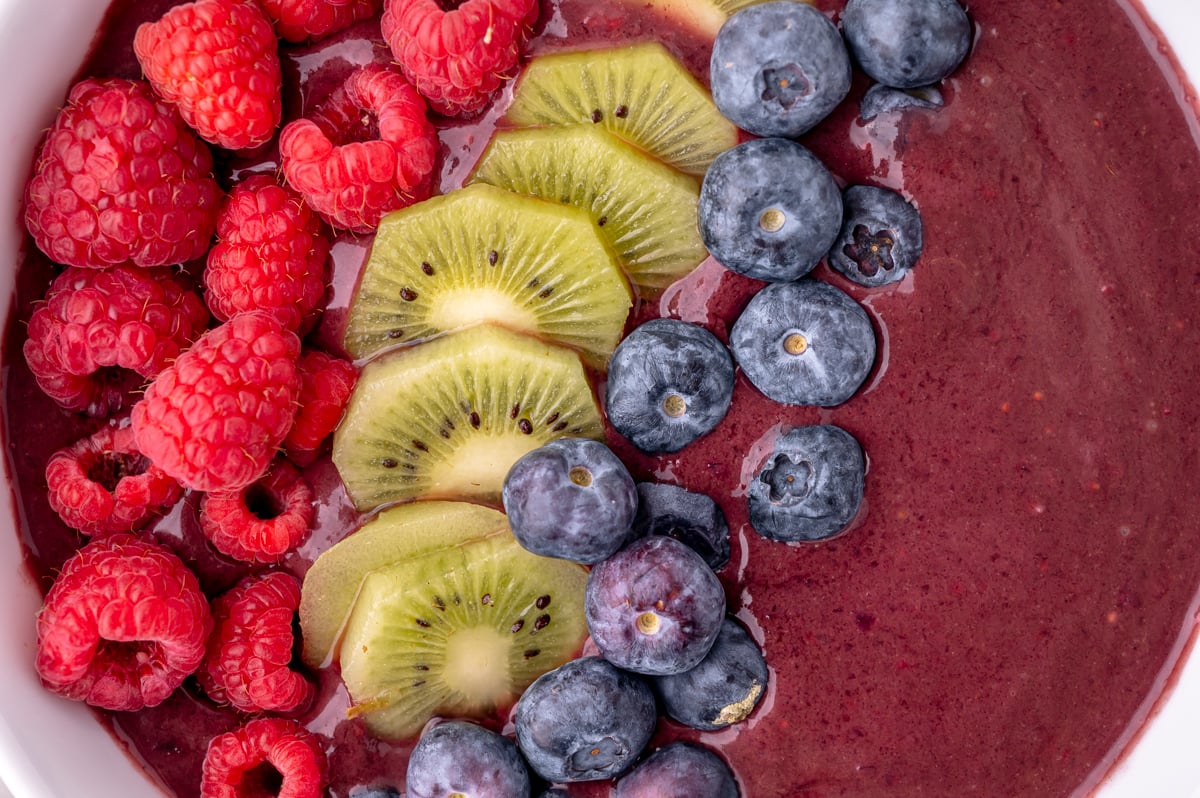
[{"x": 51, "y": 748}]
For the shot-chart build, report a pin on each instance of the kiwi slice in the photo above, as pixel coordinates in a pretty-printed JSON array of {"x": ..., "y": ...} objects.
[
  {"x": 459, "y": 631},
  {"x": 447, "y": 418},
  {"x": 331, "y": 585},
  {"x": 640, "y": 92},
  {"x": 644, "y": 208},
  {"x": 485, "y": 254}
]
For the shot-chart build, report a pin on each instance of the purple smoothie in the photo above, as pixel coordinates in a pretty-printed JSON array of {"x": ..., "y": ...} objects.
[{"x": 1028, "y": 559}]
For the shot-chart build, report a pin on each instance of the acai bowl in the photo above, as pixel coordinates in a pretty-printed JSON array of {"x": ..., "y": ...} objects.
[{"x": 55, "y": 747}]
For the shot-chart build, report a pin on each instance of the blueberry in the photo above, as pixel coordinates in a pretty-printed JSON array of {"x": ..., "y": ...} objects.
[
  {"x": 679, "y": 770},
  {"x": 654, "y": 607},
  {"x": 691, "y": 518},
  {"x": 880, "y": 238},
  {"x": 880, "y": 99},
  {"x": 669, "y": 382},
  {"x": 583, "y": 721},
  {"x": 455, "y": 757},
  {"x": 804, "y": 343},
  {"x": 779, "y": 68},
  {"x": 907, "y": 43},
  {"x": 756, "y": 222},
  {"x": 723, "y": 689},
  {"x": 810, "y": 487},
  {"x": 571, "y": 498}
]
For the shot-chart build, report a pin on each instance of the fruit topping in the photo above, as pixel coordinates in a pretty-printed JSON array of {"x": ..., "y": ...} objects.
[
  {"x": 298, "y": 20},
  {"x": 122, "y": 626},
  {"x": 120, "y": 178},
  {"x": 399, "y": 533},
  {"x": 368, "y": 151},
  {"x": 571, "y": 498},
  {"x": 458, "y": 58},
  {"x": 458, "y": 631},
  {"x": 101, "y": 332},
  {"x": 880, "y": 99},
  {"x": 483, "y": 254},
  {"x": 907, "y": 43},
  {"x": 271, "y": 254},
  {"x": 215, "y": 417},
  {"x": 804, "y": 343},
  {"x": 881, "y": 236},
  {"x": 639, "y": 92},
  {"x": 263, "y": 521},
  {"x": 810, "y": 487},
  {"x": 654, "y": 607},
  {"x": 448, "y": 418},
  {"x": 692, "y": 518},
  {"x": 679, "y": 770},
  {"x": 779, "y": 68},
  {"x": 266, "y": 756},
  {"x": 457, "y": 758},
  {"x": 723, "y": 689},
  {"x": 217, "y": 61},
  {"x": 249, "y": 653},
  {"x": 325, "y": 385},
  {"x": 669, "y": 383},
  {"x": 755, "y": 224},
  {"x": 645, "y": 210},
  {"x": 103, "y": 483},
  {"x": 585, "y": 721}
]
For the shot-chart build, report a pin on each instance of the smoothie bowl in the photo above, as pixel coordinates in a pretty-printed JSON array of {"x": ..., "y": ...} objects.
[{"x": 1011, "y": 611}]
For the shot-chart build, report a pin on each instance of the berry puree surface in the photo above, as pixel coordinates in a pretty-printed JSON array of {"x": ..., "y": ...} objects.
[{"x": 1015, "y": 591}]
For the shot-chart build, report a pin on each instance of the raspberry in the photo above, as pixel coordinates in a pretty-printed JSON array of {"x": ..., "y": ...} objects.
[
  {"x": 325, "y": 386},
  {"x": 121, "y": 178},
  {"x": 263, "y": 521},
  {"x": 102, "y": 483},
  {"x": 251, "y": 647},
  {"x": 298, "y": 20},
  {"x": 96, "y": 324},
  {"x": 217, "y": 61},
  {"x": 214, "y": 418},
  {"x": 272, "y": 255},
  {"x": 458, "y": 59},
  {"x": 239, "y": 764},
  {"x": 122, "y": 626},
  {"x": 353, "y": 174}
]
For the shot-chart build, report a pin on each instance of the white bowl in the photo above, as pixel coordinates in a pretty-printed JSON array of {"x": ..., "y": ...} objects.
[{"x": 51, "y": 748}]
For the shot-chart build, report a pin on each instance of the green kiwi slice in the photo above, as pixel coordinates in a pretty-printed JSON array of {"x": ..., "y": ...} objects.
[
  {"x": 446, "y": 419},
  {"x": 485, "y": 254},
  {"x": 644, "y": 208},
  {"x": 331, "y": 585},
  {"x": 639, "y": 92},
  {"x": 460, "y": 631}
]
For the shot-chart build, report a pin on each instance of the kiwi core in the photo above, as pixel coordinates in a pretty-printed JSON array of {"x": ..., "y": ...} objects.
[
  {"x": 480, "y": 463},
  {"x": 466, "y": 307},
  {"x": 477, "y": 666}
]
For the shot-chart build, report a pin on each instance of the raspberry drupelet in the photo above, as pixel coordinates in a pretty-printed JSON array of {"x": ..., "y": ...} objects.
[
  {"x": 103, "y": 483},
  {"x": 299, "y": 20},
  {"x": 325, "y": 386},
  {"x": 266, "y": 756},
  {"x": 122, "y": 626},
  {"x": 100, "y": 332},
  {"x": 250, "y": 649},
  {"x": 121, "y": 179},
  {"x": 263, "y": 521}
]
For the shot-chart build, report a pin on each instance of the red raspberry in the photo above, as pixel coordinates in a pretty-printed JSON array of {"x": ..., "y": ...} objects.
[
  {"x": 262, "y": 522},
  {"x": 95, "y": 323},
  {"x": 122, "y": 626},
  {"x": 298, "y": 20},
  {"x": 102, "y": 483},
  {"x": 272, "y": 254},
  {"x": 236, "y": 764},
  {"x": 121, "y": 178},
  {"x": 218, "y": 62},
  {"x": 251, "y": 647},
  {"x": 214, "y": 418},
  {"x": 458, "y": 59},
  {"x": 325, "y": 386},
  {"x": 353, "y": 175}
]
